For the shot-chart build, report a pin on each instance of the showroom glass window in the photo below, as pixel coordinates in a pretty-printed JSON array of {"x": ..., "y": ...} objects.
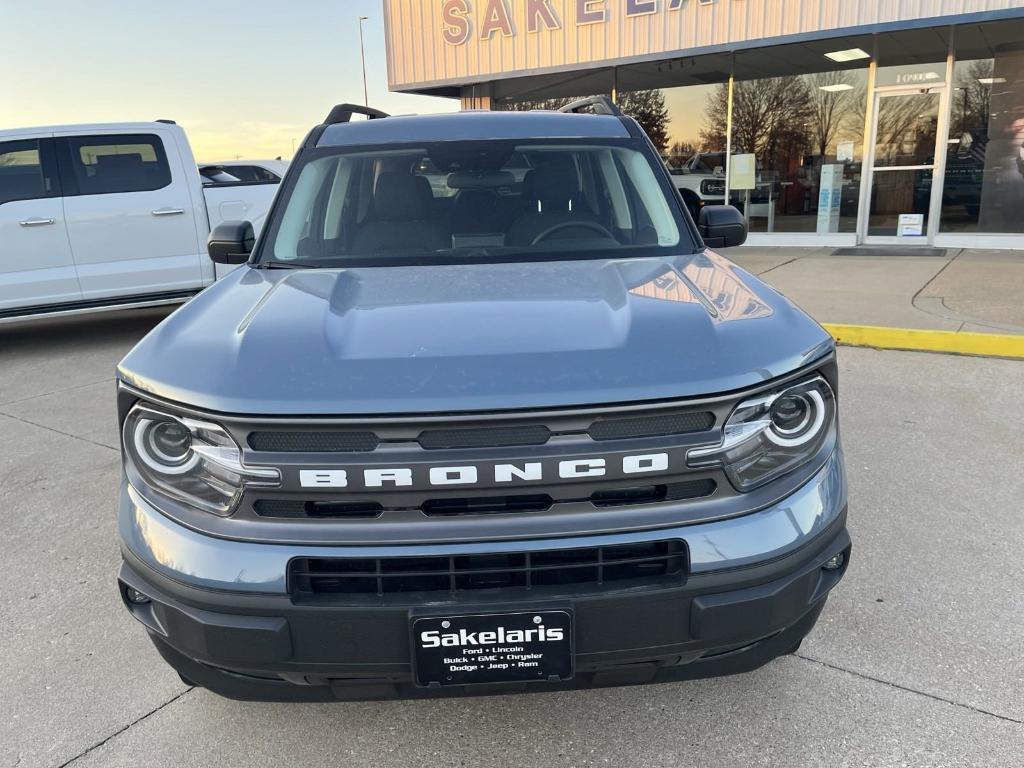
[
  {"x": 682, "y": 105},
  {"x": 983, "y": 182},
  {"x": 797, "y": 140}
]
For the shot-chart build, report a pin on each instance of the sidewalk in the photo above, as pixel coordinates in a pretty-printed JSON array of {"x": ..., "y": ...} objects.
[{"x": 966, "y": 291}]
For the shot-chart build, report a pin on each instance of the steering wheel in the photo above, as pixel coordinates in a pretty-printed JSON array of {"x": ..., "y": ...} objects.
[{"x": 591, "y": 225}]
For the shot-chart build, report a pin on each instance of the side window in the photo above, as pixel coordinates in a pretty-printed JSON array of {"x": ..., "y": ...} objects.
[
  {"x": 252, "y": 174},
  {"x": 103, "y": 165},
  {"x": 22, "y": 176},
  {"x": 212, "y": 176}
]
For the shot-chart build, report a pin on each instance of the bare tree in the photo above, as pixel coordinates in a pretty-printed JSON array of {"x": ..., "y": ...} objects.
[
  {"x": 972, "y": 98},
  {"x": 829, "y": 94},
  {"x": 679, "y": 152},
  {"x": 646, "y": 107},
  {"x": 770, "y": 118}
]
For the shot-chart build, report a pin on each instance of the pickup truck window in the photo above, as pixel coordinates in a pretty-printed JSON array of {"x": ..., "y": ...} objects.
[
  {"x": 253, "y": 173},
  {"x": 118, "y": 163},
  {"x": 213, "y": 175},
  {"x": 237, "y": 174},
  {"x": 467, "y": 200},
  {"x": 21, "y": 171}
]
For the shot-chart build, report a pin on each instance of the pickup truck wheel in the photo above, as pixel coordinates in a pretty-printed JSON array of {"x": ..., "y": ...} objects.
[{"x": 190, "y": 683}]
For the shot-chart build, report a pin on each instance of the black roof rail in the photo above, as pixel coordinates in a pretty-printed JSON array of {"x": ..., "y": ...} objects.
[
  {"x": 342, "y": 113},
  {"x": 602, "y": 105},
  {"x": 166, "y": 122}
]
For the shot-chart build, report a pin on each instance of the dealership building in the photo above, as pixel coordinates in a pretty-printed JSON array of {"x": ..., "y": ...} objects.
[{"x": 829, "y": 122}]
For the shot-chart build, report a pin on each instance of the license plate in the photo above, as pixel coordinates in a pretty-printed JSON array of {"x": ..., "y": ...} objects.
[{"x": 492, "y": 648}]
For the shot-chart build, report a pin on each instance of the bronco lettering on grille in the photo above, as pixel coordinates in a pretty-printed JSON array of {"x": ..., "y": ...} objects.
[{"x": 570, "y": 469}]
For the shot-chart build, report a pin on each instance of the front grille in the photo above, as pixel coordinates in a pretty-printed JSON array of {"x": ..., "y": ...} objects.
[
  {"x": 652, "y": 562},
  {"x": 518, "y": 457}
]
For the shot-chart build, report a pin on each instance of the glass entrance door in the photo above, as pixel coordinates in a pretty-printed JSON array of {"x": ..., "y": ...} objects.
[{"x": 903, "y": 165}]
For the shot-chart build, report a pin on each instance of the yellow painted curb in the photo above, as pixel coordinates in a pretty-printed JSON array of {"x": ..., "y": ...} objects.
[{"x": 987, "y": 344}]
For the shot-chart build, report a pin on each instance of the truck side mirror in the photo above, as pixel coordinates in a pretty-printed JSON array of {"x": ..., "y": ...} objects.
[
  {"x": 231, "y": 242},
  {"x": 722, "y": 226}
]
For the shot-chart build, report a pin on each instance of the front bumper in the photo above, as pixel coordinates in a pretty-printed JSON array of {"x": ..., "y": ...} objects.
[{"x": 220, "y": 612}]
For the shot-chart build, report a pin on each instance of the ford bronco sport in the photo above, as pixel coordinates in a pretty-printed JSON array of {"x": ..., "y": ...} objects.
[{"x": 490, "y": 432}]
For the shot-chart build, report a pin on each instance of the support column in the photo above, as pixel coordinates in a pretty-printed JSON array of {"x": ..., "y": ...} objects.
[{"x": 476, "y": 96}]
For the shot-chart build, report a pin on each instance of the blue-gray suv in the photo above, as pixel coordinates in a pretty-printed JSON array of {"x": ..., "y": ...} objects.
[{"x": 481, "y": 411}]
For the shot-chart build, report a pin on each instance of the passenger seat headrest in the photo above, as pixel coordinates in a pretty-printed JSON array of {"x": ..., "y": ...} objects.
[{"x": 398, "y": 197}]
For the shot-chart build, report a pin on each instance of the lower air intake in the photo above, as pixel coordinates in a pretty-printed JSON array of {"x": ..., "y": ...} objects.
[{"x": 653, "y": 562}]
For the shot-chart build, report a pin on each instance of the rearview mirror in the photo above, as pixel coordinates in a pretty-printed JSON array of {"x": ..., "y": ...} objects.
[
  {"x": 722, "y": 226},
  {"x": 231, "y": 242}
]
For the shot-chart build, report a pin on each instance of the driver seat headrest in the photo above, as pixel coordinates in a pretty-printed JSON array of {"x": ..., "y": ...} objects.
[{"x": 555, "y": 186}]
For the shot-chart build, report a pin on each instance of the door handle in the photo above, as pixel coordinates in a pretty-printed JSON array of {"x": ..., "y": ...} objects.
[
  {"x": 36, "y": 222},
  {"x": 168, "y": 211}
]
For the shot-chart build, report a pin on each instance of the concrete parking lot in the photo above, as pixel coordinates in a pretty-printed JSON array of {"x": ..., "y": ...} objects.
[{"x": 918, "y": 659}]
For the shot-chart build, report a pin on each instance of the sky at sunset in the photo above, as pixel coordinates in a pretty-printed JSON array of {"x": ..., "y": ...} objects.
[{"x": 243, "y": 78}]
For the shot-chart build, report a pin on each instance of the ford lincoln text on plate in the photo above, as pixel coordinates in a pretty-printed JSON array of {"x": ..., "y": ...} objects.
[{"x": 457, "y": 429}]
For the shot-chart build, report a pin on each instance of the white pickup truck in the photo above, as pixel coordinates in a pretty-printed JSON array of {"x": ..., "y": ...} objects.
[{"x": 97, "y": 217}]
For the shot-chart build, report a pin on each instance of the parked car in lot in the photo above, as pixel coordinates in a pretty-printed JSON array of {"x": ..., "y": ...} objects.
[
  {"x": 243, "y": 171},
  {"x": 701, "y": 180},
  {"x": 501, "y": 436},
  {"x": 94, "y": 217}
]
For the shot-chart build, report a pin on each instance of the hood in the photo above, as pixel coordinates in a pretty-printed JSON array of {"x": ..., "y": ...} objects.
[{"x": 473, "y": 337}]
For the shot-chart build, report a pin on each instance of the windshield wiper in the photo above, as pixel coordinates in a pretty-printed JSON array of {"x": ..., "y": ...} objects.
[{"x": 277, "y": 264}]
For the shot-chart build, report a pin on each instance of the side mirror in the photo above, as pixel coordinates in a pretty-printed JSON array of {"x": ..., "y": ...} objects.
[
  {"x": 722, "y": 226},
  {"x": 231, "y": 242}
]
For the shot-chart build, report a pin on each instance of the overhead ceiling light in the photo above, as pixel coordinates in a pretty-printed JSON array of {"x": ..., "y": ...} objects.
[
  {"x": 991, "y": 80},
  {"x": 836, "y": 88},
  {"x": 850, "y": 54}
]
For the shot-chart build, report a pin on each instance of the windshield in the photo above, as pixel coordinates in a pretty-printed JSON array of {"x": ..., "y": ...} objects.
[{"x": 473, "y": 200}]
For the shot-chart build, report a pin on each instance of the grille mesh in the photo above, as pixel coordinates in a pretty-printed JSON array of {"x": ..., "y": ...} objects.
[
  {"x": 652, "y": 426},
  {"x": 536, "y": 434},
  {"x": 300, "y": 508},
  {"x": 313, "y": 442},
  {"x": 620, "y": 497},
  {"x": 490, "y": 505}
]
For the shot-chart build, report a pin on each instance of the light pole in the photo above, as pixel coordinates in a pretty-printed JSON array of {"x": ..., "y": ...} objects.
[{"x": 362, "y": 55}]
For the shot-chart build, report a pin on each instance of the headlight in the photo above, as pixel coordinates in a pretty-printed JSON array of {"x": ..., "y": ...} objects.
[
  {"x": 193, "y": 461},
  {"x": 768, "y": 436}
]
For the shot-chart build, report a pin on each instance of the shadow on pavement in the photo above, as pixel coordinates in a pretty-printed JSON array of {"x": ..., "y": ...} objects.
[{"x": 49, "y": 336}]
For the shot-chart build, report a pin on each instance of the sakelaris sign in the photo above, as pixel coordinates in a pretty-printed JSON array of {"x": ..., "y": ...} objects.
[{"x": 507, "y": 17}]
